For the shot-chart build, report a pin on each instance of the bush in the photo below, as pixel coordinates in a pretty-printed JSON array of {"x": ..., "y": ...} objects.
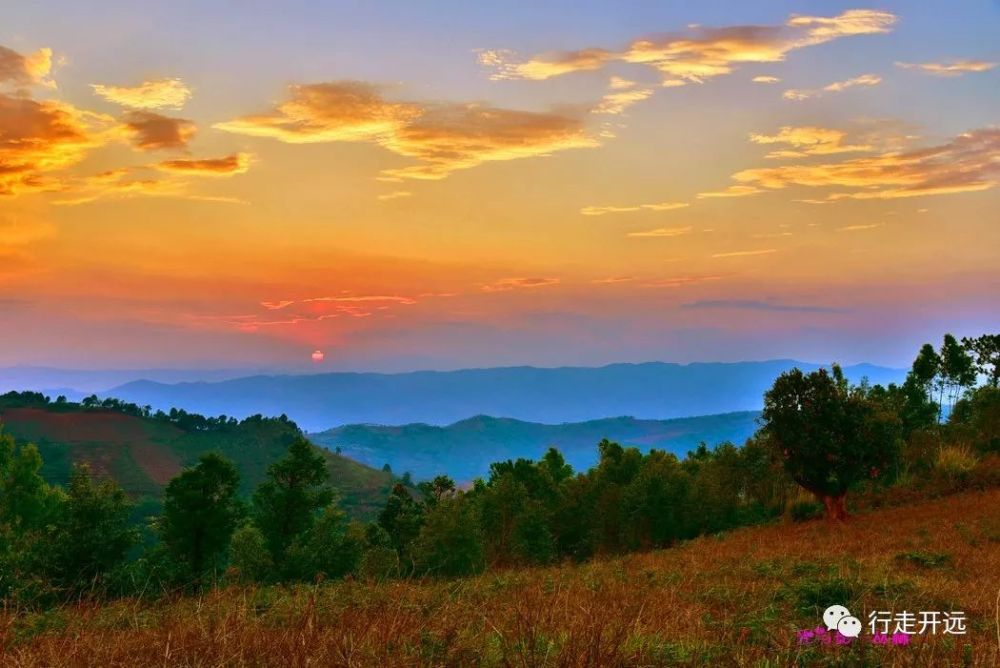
[{"x": 802, "y": 511}]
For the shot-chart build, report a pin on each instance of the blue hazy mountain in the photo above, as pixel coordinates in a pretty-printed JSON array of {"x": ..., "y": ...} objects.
[
  {"x": 654, "y": 390},
  {"x": 465, "y": 449}
]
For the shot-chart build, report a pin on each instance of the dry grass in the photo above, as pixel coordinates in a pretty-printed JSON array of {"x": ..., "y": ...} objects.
[{"x": 736, "y": 600}]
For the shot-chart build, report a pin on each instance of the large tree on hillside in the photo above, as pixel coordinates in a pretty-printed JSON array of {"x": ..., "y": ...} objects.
[
  {"x": 828, "y": 435},
  {"x": 296, "y": 490},
  {"x": 200, "y": 513}
]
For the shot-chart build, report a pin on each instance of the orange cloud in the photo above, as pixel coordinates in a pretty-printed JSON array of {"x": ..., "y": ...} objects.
[
  {"x": 20, "y": 70},
  {"x": 954, "y": 68},
  {"x": 835, "y": 87},
  {"x": 746, "y": 253},
  {"x": 701, "y": 54},
  {"x": 396, "y": 194},
  {"x": 731, "y": 191},
  {"x": 238, "y": 163},
  {"x": 623, "y": 95},
  {"x": 442, "y": 137},
  {"x": 660, "y": 206},
  {"x": 38, "y": 138},
  {"x": 967, "y": 163},
  {"x": 158, "y": 94},
  {"x": 150, "y": 131},
  {"x": 506, "y": 284},
  {"x": 681, "y": 281},
  {"x": 766, "y": 79},
  {"x": 662, "y": 232},
  {"x": 808, "y": 140}
]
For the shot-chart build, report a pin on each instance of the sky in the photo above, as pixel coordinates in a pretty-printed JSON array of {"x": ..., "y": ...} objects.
[{"x": 397, "y": 185}]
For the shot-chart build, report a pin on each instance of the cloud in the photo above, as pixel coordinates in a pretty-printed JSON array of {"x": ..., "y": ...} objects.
[
  {"x": 659, "y": 206},
  {"x": 765, "y": 79},
  {"x": 623, "y": 94},
  {"x": 662, "y": 232},
  {"x": 835, "y": 87},
  {"x": 443, "y": 138},
  {"x": 119, "y": 184},
  {"x": 731, "y": 191},
  {"x": 158, "y": 94},
  {"x": 954, "y": 68},
  {"x": 808, "y": 140},
  {"x": 238, "y": 163},
  {"x": 507, "y": 284},
  {"x": 967, "y": 163},
  {"x": 858, "y": 228},
  {"x": 611, "y": 280},
  {"x": 681, "y": 281},
  {"x": 41, "y": 137},
  {"x": 745, "y": 253},
  {"x": 29, "y": 70},
  {"x": 755, "y": 305},
  {"x": 150, "y": 131},
  {"x": 396, "y": 194},
  {"x": 699, "y": 54}
]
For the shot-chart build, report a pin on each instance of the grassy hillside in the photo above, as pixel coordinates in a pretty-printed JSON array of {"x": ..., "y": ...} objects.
[
  {"x": 739, "y": 599},
  {"x": 143, "y": 453},
  {"x": 466, "y": 449}
]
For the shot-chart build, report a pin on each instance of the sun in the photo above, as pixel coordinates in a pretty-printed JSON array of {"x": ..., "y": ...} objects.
[{"x": 318, "y": 356}]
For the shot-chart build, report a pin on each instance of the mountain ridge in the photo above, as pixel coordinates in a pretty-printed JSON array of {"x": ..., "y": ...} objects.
[{"x": 646, "y": 390}]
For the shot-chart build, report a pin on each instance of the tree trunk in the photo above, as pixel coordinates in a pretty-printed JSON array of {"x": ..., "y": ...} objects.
[{"x": 836, "y": 507}]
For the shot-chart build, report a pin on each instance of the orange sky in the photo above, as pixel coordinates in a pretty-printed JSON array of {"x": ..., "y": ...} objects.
[{"x": 786, "y": 183}]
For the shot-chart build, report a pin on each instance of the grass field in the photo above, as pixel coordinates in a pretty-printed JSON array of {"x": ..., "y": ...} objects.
[{"x": 738, "y": 600}]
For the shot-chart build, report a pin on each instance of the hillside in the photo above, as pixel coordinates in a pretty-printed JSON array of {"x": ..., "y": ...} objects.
[
  {"x": 567, "y": 394},
  {"x": 465, "y": 449},
  {"x": 739, "y": 599},
  {"x": 143, "y": 454}
]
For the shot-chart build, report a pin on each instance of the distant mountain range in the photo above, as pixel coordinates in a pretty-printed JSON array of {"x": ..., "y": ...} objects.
[
  {"x": 466, "y": 449},
  {"x": 653, "y": 391}
]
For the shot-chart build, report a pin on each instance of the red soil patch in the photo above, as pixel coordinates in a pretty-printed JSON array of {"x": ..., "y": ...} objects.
[{"x": 98, "y": 427}]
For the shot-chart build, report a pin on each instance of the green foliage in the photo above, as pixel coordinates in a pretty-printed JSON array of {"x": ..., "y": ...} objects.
[
  {"x": 296, "y": 489},
  {"x": 829, "y": 436},
  {"x": 249, "y": 556},
  {"x": 200, "y": 513},
  {"x": 91, "y": 534},
  {"x": 802, "y": 511},
  {"x": 450, "y": 542},
  {"x": 401, "y": 521},
  {"x": 330, "y": 548},
  {"x": 925, "y": 559}
]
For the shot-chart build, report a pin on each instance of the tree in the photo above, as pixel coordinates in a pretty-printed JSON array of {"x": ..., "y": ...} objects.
[
  {"x": 296, "y": 489},
  {"x": 91, "y": 534},
  {"x": 200, "y": 513},
  {"x": 957, "y": 371},
  {"x": 401, "y": 520},
  {"x": 25, "y": 498},
  {"x": 827, "y": 435},
  {"x": 436, "y": 489},
  {"x": 331, "y": 548},
  {"x": 450, "y": 541},
  {"x": 249, "y": 556},
  {"x": 986, "y": 351}
]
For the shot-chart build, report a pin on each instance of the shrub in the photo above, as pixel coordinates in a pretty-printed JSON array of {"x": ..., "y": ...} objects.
[
  {"x": 954, "y": 461},
  {"x": 802, "y": 511}
]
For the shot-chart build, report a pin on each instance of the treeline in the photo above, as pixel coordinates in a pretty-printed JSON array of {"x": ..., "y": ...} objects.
[
  {"x": 178, "y": 417},
  {"x": 820, "y": 438}
]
